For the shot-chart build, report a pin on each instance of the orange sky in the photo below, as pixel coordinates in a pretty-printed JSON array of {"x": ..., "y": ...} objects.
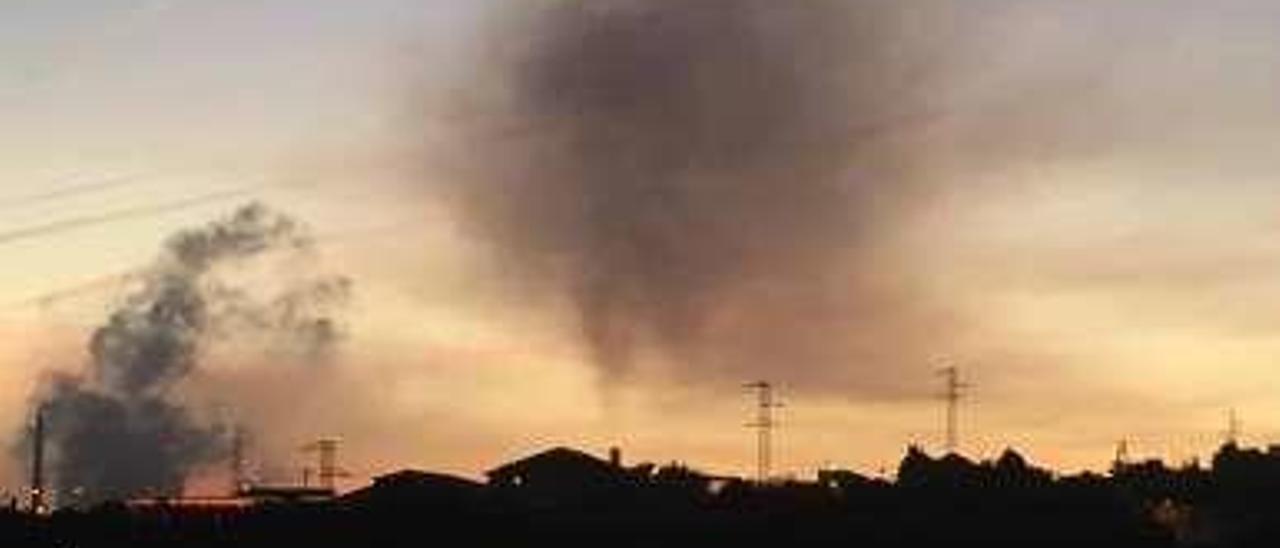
[{"x": 1110, "y": 242}]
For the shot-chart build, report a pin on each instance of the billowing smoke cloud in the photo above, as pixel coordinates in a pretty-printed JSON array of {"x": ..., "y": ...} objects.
[
  {"x": 122, "y": 428},
  {"x": 706, "y": 179}
]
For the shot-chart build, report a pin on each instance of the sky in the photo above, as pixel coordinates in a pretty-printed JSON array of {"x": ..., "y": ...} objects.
[{"x": 1083, "y": 217}]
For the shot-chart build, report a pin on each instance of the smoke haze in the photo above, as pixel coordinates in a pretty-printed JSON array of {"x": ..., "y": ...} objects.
[
  {"x": 123, "y": 428},
  {"x": 681, "y": 168}
]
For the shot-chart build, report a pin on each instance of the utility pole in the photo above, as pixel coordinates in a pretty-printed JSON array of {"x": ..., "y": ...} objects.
[
  {"x": 1232, "y": 435},
  {"x": 1122, "y": 455},
  {"x": 764, "y": 425},
  {"x": 953, "y": 393}
]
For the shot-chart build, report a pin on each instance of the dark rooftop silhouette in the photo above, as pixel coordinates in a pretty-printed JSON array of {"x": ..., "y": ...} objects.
[{"x": 566, "y": 497}]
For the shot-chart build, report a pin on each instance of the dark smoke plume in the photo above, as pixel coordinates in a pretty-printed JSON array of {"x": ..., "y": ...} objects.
[
  {"x": 704, "y": 178},
  {"x": 120, "y": 429}
]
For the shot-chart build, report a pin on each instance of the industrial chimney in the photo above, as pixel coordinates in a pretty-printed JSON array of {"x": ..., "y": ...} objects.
[{"x": 38, "y": 499}]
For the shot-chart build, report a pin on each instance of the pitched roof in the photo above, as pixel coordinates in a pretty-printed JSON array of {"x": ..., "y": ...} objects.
[
  {"x": 415, "y": 485},
  {"x": 558, "y": 457}
]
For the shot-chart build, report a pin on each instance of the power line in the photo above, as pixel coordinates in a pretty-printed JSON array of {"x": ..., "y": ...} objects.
[
  {"x": 101, "y": 185},
  {"x": 108, "y": 282},
  {"x": 74, "y": 223},
  {"x": 94, "y": 285}
]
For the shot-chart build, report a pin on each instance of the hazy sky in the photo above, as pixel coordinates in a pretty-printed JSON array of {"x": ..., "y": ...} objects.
[{"x": 1097, "y": 241}]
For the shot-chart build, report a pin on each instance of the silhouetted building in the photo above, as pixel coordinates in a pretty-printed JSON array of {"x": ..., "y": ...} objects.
[
  {"x": 286, "y": 494},
  {"x": 568, "y": 498},
  {"x": 559, "y": 475},
  {"x": 844, "y": 480},
  {"x": 189, "y": 504},
  {"x": 686, "y": 482},
  {"x": 951, "y": 471},
  {"x": 416, "y": 488},
  {"x": 1011, "y": 471}
]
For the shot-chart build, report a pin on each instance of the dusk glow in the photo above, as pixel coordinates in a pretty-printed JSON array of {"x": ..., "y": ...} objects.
[{"x": 590, "y": 224}]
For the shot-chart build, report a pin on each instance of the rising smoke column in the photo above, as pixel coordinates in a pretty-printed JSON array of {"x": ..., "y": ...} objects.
[
  {"x": 699, "y": 176},
  {"x": 121, "y": 429}
]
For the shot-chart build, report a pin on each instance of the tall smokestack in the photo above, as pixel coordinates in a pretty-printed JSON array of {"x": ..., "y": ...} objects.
[
  {"x": 237, "y": 461},
  {"x": 37, "y": 464}
]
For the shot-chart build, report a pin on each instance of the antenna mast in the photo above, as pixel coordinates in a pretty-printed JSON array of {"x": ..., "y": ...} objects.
[{"x": 764, "y": 425}]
